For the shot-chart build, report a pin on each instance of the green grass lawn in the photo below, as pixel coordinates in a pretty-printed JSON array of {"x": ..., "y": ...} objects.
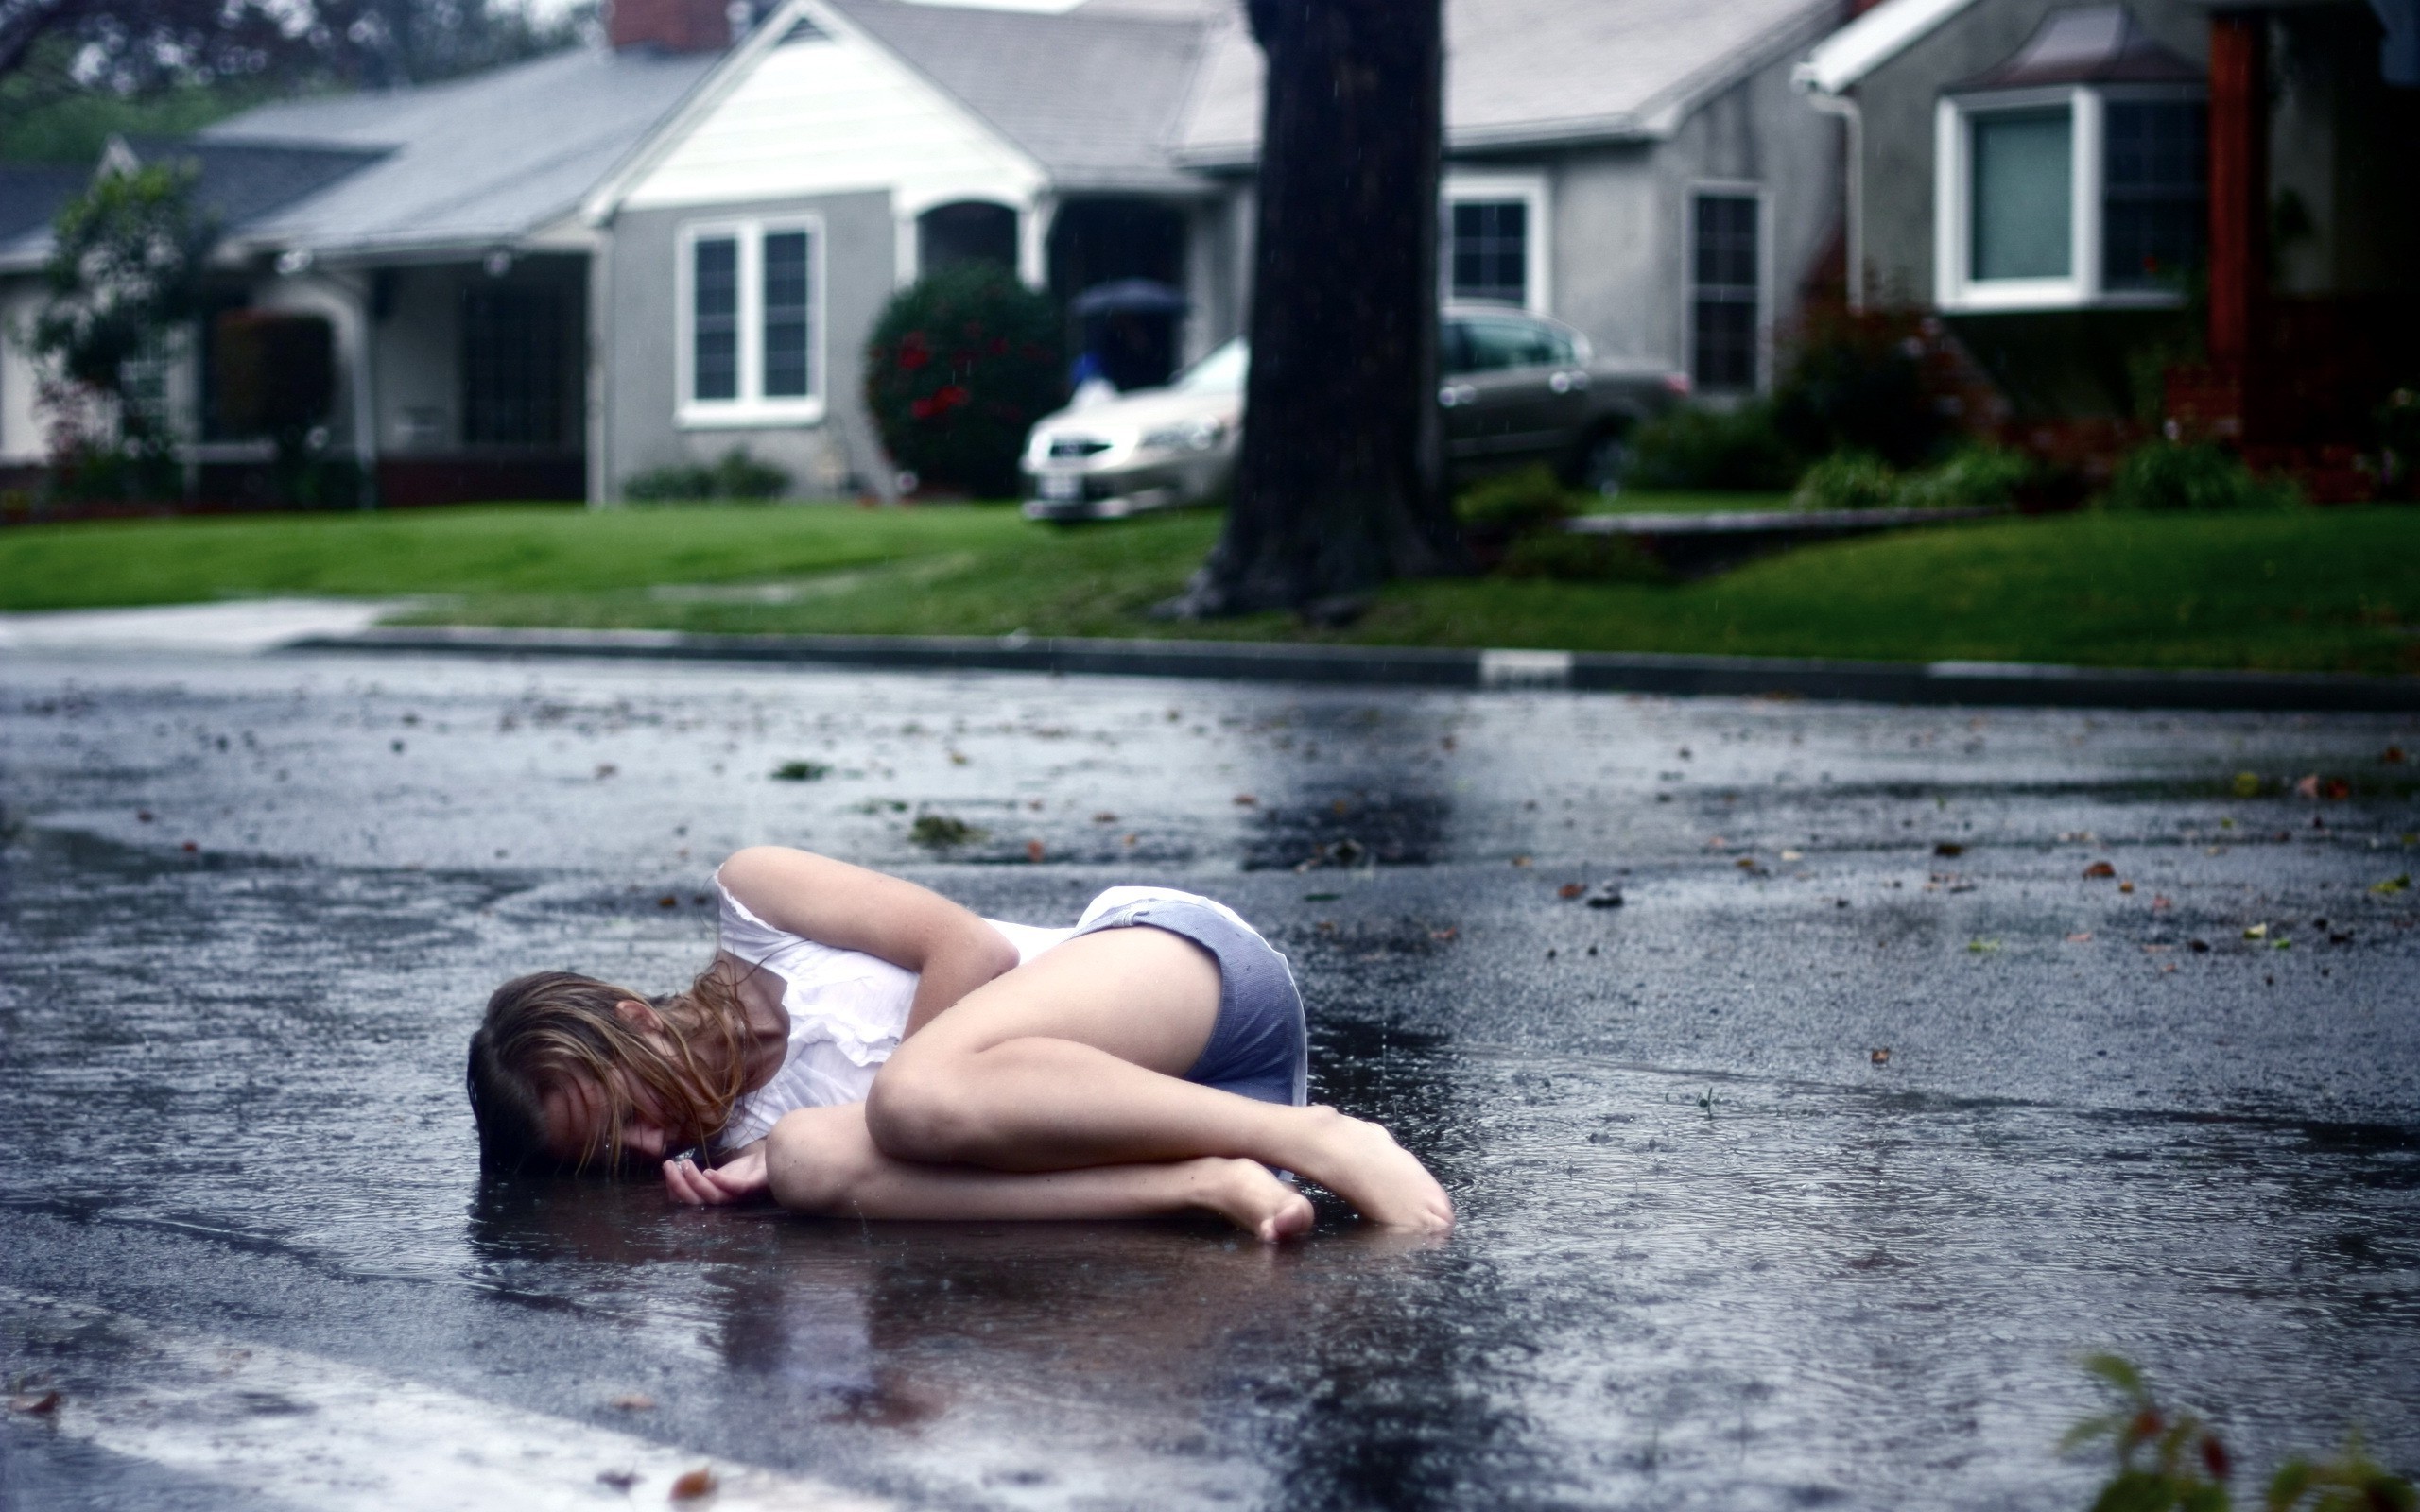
[{"x": 2314, "y": 590}]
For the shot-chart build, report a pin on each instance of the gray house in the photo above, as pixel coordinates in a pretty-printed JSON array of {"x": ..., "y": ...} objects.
[
  {"x": 435, "y": 231},
  {"x": 1643, "y": 171}
]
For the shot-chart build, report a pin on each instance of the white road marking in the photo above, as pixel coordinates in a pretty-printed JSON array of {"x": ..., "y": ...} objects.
[
  {"x": 312, "y": 1432},
  {"x": 1525, "y": 669},
  {"x": 245, "y": 626}
]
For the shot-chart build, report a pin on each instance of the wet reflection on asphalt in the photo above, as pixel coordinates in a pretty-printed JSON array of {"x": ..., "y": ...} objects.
[{"x": 1801, "y": 1178}]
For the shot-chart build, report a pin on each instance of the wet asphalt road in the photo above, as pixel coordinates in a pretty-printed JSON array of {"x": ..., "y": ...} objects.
[{"x": 1718, "y": 1251}]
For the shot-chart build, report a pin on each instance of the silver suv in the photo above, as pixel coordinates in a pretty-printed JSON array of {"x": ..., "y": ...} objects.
[{"x": 1517, "y": 388}]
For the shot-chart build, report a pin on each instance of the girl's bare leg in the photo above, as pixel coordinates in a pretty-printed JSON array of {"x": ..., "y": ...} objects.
[
  {"x": 1075, "y": 1059},
  {"x": 821, "y": 1161}
]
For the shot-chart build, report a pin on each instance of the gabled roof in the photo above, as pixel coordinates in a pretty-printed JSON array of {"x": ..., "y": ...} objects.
[
  {"x": 1094, "y": 97},
  {"x": 1542, "y": 72},
  {"x": 467, "y": 163},
  {"x": 2098, "y": 45}
]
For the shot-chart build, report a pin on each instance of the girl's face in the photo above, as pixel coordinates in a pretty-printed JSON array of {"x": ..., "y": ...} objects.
[{"x": 577, "y": 1110}]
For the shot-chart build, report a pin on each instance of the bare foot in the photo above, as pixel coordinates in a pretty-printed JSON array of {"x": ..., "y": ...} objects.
[
  {"x": 1361, "y": 1162},
  {"x": 1244, "y": 1194}
]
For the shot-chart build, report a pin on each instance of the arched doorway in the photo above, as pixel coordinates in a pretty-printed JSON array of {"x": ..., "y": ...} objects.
[{"x": 967, "y": 230}]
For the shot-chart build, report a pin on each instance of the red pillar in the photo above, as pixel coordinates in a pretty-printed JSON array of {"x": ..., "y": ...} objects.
[{"x": 2239, "y": 180}]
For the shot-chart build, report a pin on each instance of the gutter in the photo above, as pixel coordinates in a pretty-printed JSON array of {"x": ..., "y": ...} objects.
[{"x": 1853, "y": 180}]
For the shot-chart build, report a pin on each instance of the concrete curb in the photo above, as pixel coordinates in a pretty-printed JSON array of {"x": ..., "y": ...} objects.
[{"x": 1936, "y": 682}]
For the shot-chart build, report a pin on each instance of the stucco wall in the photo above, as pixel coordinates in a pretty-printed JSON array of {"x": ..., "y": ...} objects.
[
  {"x": 640, "y": 366},
  {"x": 1622, "y": 214}
]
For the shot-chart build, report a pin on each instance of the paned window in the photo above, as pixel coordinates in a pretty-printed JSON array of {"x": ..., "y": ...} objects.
[
  {"x": 1489, "y": 252},
  {"x": 512, "y": 366},
  {"x": 2069, "y": 196},
  {"x": 751, "y": 325},
  {"x": 1725, "y": 267},
  {"x": 2154, "y": 192}
]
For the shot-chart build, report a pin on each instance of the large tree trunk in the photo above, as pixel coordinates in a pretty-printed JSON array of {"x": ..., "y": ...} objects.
[{"x": 1341, "y": 485}]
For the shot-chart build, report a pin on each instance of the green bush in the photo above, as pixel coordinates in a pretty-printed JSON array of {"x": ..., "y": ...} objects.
[
  {"x": 1856, "y": 383},
  {"x": 961, "y": 365},
  {"x": 2170, "y": 478},
  {"x": 737, "y": 475},
  {"x": 1515, "y": 504},
  {"x": 1976, "y": 477},
  {"x": 1698, "y": 447},
  {"x": 1848, "y": 480},
  {"x": 1580, "y": 558}
]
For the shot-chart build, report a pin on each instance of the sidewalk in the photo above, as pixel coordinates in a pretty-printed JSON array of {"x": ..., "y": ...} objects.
[{"x": 1936, "y": 682}]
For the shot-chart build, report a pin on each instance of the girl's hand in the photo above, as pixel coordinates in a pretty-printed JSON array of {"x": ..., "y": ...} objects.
[{"x": 742, "y": 1179}]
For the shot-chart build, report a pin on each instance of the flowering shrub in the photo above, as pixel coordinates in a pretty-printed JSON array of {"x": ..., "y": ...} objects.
[{"x": 959, "y": 366}]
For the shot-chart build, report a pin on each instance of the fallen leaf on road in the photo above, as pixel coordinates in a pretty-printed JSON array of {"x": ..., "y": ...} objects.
[
  {"x": 634, "y": 1401},
  {"x": 1443, "y": 934},
  {"x": 1793, "y": 855},
  {"x": 2307, "y": 787},
  {"x": 1982, "y": 947},
  {"x": 2125, "y": 886},
  {"x": 1880, "y": 1057},
  {"x": 2159, "y": 904},
  {"x": 2256, "y": 932},
  {"x": 2247, "y": 784},
  {"x": 35, "y": 1405},
  {"x": 1949, "y": 848},
  {"x": 667, "y": 900},
  {"x": 2100, "y": 869},
  {"x": 1033, "y": 849},
  {"x": 2394, "y": 754},
  {"x": 957, "y": 758},
  {"x": 1569, "y": 890},
  {"x": 697, "y": 1482},
  {"x": 189, "y": 847},
  {"x": 1321, "y": 897},
  {"x": 1520, "y": 861},
  {"x": 1245, "y": 800},
  {"x": 2080, "y": 937},
  {"x": 2199, "y": 947},
  {"x": 2392, "y": 885},
  {"x": 1104, "y": 816}
]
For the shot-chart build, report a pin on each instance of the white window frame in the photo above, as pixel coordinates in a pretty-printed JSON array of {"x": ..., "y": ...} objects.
[
  {"x": 752, "y": 407},
  {"x": 1529, "y": 189},
  {"x": 1954, "y": 286},
  {"x": 1737, "y": 189}
]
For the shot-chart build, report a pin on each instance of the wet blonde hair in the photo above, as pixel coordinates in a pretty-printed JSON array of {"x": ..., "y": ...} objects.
[{"x": 550, "y": 1028}]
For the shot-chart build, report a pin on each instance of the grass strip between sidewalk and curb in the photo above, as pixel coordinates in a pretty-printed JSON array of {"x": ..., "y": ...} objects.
[{"x": 2309, "y": 591}]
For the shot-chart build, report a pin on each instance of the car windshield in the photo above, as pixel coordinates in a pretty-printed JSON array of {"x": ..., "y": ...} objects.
[{"x": 1221, "y": 373}]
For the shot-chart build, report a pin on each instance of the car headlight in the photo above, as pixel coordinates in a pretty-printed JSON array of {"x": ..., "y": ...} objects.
[{"x": 1193, "y": 436}]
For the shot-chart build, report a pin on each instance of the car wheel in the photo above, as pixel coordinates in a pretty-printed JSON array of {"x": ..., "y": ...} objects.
[{"x": 1604, "y": 465}]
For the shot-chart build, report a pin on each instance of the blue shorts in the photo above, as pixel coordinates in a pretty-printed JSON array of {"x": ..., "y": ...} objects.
[{"x": 1259, "y": 1048}]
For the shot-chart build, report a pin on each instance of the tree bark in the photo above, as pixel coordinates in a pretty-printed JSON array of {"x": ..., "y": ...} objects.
[{"x": 1340, "y": 483}]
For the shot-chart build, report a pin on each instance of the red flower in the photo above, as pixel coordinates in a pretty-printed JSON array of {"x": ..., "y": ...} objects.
[{"x": 914, "y": 353}]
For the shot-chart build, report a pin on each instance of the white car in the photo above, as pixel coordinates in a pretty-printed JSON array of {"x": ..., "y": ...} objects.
[
  {"x": 1110, "y": 455},
  {"x": 1516, "y": 389}
]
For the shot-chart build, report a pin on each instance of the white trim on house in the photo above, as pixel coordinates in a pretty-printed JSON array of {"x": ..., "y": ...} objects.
[
  {"x": 1955, "y": 288},
  {"x": 837, "y": 114},
  {"x": 750, "y": 408},
  {"x": 1842, "y": 60},
  {"x": 1534, "y": 192},
  {"x": 1763, "y": 195}
]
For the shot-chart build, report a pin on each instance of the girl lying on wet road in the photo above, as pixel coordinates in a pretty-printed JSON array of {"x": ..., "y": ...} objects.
[{"x": 862, "y": 1047}]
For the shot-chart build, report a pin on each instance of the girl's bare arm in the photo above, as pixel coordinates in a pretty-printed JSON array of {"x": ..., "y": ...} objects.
[
  {"x": 821, "y": 1162},
  {"x": 832, "y": 903}
]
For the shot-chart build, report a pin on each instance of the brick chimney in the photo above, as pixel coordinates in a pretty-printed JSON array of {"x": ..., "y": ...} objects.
[{"x": 672, "y": 25}]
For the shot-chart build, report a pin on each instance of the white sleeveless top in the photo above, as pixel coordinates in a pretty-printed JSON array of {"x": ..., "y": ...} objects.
[{"x": 848, "y": 1009}]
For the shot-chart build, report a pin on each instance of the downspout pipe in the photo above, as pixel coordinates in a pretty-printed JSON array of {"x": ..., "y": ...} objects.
[{"x": 1853, "y": 180}]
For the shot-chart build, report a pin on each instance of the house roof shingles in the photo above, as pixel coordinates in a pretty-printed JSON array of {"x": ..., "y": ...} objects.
[
  {"x": 1538, "y": 71},
  {"x": 1096, "y": 98},
  {"x": 469, "y": 162}
]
